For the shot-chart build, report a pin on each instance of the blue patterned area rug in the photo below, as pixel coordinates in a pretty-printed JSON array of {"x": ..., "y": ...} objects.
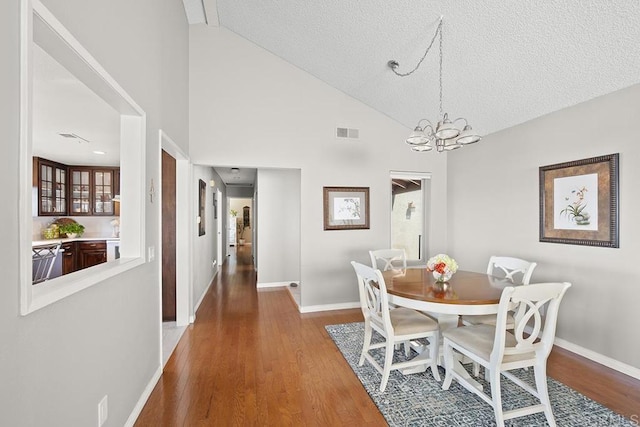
[{"x": 418, "y": 399}]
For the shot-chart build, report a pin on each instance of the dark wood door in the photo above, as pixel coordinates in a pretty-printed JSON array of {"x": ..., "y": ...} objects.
[
  {"x": 168, "y": 237},
  {"x": 68, "y": 258}
]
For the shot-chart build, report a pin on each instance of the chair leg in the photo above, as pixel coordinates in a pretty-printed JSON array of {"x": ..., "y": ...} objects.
[
  {"x": 448, "y": 365},
  {"x": 434, "y": 354},
  {"x": 367, "y": 342},
  {"x": 388, "y": 360},
  {"x": 540, "y": 372},
  {"x": 407, "y": 348},
  {"x": 476, "y": 369},
  {"x": 496, "y": 396}
]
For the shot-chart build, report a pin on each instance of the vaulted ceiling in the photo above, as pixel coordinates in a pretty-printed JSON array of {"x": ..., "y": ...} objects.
[{"x": 504, "y": 62}]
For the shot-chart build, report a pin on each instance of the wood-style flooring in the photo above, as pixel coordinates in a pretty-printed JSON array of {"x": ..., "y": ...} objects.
[{"x": 252, "y": 359}]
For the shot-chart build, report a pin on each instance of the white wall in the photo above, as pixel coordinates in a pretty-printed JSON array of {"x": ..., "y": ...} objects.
[
  {"x": 494, "y": 211},
  {"x": 249, "y": 107},
  {"x": 279, "y": 225},
  {"x": 205, "y": 246},
  {"x": 58, "y": 362}
]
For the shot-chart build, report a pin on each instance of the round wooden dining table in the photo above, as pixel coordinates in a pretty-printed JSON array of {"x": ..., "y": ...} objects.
[{"x": 466, "y": 293}]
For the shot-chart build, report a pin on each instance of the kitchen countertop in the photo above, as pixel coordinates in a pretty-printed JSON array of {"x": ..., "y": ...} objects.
[{"x": 84, "y": 238}]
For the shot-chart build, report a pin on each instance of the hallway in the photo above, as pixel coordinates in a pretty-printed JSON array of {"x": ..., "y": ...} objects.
[{"x": 252, "y": 359}]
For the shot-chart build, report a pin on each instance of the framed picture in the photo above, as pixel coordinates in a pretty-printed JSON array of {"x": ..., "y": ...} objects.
[
  {"x": 346, "y": 208},
  {"x": 202, "y": 196},
  {"x": 579, "y": 202}
]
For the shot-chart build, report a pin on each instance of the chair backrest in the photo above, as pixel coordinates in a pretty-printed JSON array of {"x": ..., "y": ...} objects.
[
  {"x": 387, "y": 259},
  {"x": 535, "y": 319},
  {"x": 512, "y": 268},
  {"x": 374, "y": 301},
  {"x": 43, "y": 258}
]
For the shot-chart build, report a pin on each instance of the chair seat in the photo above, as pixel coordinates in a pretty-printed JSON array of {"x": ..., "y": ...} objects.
[
  {"x": 488, "y": 319},
  {"x": 407, "y": 322},
  {"x": 479, "y": 339}
]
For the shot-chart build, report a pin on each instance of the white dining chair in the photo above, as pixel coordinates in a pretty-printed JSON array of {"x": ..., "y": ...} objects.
[
  {"x": 387, "y": 259},
  {"x": 395, "y": 325},
  {"x": 501, "y": 351},
  {"x": 517, "y": 271}
]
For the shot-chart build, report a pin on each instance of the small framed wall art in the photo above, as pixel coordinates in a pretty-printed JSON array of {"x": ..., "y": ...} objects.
[{"x": 346, "y": 208}]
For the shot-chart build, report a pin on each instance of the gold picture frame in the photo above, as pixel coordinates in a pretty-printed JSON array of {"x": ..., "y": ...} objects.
[
  {"x": 346, "y": 208},
  {"x": 579, "y": 202}
]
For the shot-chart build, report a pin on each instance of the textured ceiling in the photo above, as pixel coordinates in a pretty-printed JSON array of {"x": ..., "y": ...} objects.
[{"x": 505, "y": 62}]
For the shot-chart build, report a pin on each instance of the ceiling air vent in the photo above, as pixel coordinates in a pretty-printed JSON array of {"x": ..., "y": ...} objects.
[
  {"x": 347, "y": 133},
  {"x": 73, "y": 136}
]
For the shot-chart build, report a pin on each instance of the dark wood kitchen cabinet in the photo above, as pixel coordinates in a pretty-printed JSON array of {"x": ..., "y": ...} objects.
[
  {"x": 75, "y": 190},
  {"x": 50, "y": 178},
  {"x": 91, "y": 253},
  {"x": 83, "y": 254},
  {"x": 92, "y": 190},
  {"x": 68, "y": 257}
]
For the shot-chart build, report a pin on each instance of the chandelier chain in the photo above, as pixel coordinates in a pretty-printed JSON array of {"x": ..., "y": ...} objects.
[{"x": 438, "y": 31}]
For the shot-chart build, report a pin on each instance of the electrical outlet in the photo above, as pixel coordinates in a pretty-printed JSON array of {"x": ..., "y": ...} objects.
[
  {"x": 103, "y": 410},
  {"x": 152, "y": 253}
]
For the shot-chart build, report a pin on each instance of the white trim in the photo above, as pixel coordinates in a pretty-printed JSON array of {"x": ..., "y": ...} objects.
[
  {"x": 273, "y": 284},
  {"x": 62, "y": 44},
  {"x": 329, "y": 307},
  {"x": 409, "y": 175},
  {"x": 599, "y": 358},
  {"x": 135, "y": 413}
]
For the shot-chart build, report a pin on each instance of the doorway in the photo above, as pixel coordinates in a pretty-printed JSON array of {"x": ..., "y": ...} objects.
[
  {"x": 410, "y": 214},
  {"x": 175, "y": 245},
  {"x": 168, "y": 296}
]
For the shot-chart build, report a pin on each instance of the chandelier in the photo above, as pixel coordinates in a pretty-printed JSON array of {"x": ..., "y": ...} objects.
[{"x": 446, "y": 135}]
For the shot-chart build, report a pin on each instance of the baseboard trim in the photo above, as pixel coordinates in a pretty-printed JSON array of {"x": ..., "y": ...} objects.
[
  {"x": 329, "y": 307},
  {"x": 599, "y": 358},
  {"x": 272, "y": 284},
  {"x": 143, "y": 398},
  {"x": 192, "y": 318}
]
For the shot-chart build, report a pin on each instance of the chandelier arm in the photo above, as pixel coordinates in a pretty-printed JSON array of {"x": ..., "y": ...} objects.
[
  {"x": 466, "y": 122},
  {"x": 393, "y": 64}
]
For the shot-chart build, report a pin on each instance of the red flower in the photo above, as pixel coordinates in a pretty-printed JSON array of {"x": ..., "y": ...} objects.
[{"x": 439, "y": 267}]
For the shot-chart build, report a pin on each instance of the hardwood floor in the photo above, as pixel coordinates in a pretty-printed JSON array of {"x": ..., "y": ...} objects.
[{"x": 252, "y": 359}]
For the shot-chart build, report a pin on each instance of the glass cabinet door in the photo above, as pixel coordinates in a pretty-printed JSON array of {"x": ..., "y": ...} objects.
[
  {"x": 52, "y": 188},
  {"x": 80, "y": 192},
  {"x": 103, "y": 192}
]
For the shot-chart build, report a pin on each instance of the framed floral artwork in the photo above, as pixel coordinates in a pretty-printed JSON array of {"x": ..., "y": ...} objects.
[
  {"x": 346, "y": 208},
  {"x": 579, "y": 202},
  {"x": 202, "y": 195}
]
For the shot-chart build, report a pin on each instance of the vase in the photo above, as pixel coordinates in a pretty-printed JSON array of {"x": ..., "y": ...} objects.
[{"x": 442, "y": 277}]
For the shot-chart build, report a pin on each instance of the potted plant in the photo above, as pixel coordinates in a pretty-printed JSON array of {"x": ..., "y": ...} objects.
[
  {"x": 240, "y": 231},
  {"x": 72, "y": 229}
]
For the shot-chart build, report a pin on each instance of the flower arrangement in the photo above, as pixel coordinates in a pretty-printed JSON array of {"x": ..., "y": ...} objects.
[{"x": 442, "y": 266}]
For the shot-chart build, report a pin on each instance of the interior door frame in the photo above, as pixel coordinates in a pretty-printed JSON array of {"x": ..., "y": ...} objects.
[
  {"x": 220, "y": 256},
  {"x": 184, "y": 288},
  {"x": 425, "y": 178}
]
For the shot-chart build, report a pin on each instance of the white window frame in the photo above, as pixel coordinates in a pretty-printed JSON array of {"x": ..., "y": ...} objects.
[{"x": 66, "y": 49}]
